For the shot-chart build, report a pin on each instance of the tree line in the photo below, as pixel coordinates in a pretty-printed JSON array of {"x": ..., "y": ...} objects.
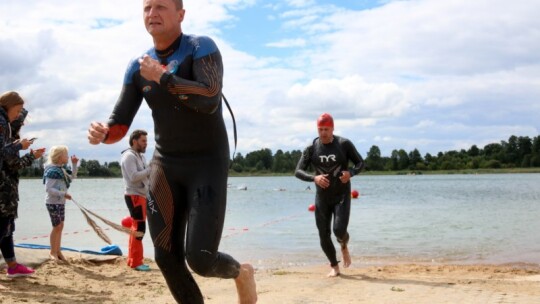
[
  {"x": 516, "y": 152},
  {"x": 87, "y": 168}
]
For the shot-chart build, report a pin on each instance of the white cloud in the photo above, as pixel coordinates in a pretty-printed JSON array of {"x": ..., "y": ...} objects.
[
  {"x": 434, "y": 38},
  {"x": 286, "y": 43},
  {"x": 433, "y": 75},
  {"x": 349, "y": 97}
]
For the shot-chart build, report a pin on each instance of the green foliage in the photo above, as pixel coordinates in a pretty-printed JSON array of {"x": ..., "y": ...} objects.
[
  {"x": 517, "y": 152},
  {"x": 374, "y": 160}
]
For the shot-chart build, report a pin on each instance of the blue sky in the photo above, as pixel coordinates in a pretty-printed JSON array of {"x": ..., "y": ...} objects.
[{"x": 433, "y": 75}]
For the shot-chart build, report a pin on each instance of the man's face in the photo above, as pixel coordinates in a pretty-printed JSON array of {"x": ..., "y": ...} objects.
[
  {"x": 140, "y": 144},
  {"x": 326, "y": 134},
  {"x": 161, "y": 16}
]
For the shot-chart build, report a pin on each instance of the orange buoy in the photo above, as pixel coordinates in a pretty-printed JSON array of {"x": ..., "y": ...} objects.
[
  {"x": 354, "y": 194},
  {"x": 311, "y": 208},
  {"x": 127, "y": 221}
]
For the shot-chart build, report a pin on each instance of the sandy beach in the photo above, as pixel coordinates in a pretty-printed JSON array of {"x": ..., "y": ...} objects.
[{"x": 106, "y": 279}]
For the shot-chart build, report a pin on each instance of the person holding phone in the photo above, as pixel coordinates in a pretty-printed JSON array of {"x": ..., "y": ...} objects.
[{"x": 12, "y": 115}]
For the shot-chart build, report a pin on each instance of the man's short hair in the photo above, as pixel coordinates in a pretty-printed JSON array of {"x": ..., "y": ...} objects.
[
  {"x": 179, "y": 4},
  {"x": 135, "y": 135}
]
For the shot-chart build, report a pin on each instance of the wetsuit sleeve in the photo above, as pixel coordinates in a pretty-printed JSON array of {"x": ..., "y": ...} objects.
[
  {"x": 7, "y": 149},
  {"x": 354, "y": 156},
  {"x": 303, "y": 165},
  {"x": 204, "y": 91},
  {"x": 126, "y": 107}
]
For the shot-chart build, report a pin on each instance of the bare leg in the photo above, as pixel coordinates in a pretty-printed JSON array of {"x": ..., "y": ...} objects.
[
  {"x": 346, "y": 256},
  {"x": 59, "y": 244},
  {"x": 53, "y": 254},
  {"x": 334, "y": 272},
  {"x": 56, "y": 238},
  {"x": 245, "y": 285}
]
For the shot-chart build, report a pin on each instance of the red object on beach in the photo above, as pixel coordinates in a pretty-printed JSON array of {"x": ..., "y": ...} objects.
[
  {"x": 311, "y": 208},
  {"x": 354, "y": 194},
  {"x": 127, "y": 221}
]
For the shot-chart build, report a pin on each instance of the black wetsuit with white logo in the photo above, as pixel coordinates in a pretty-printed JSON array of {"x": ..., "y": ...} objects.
[
  {"x": 331, "y": 159},
  {"x": 188, "y": 182}
]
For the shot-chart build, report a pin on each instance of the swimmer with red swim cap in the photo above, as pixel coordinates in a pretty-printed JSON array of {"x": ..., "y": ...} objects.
[
  {"x": 329, "y": 155},
  {"x": 325, "y": 126},
  {"x": 325, "y": 120}
]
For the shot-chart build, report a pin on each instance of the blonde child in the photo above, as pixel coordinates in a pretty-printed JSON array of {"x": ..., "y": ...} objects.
[{"x": 57, "y": 180}]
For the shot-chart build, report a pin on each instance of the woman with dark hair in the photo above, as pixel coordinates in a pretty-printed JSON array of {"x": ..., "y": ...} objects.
[{"x": 11, "y": 111}]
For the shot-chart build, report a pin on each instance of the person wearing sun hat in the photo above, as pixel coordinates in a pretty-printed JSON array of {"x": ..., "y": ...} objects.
[{"x": 329, "y": 155}]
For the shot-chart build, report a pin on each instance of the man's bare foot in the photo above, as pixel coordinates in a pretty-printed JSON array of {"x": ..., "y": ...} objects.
[
  {"x": 245, "y": 285},
  {"x": 334, "y": 272},
  {"x": 346, "y": 257}
]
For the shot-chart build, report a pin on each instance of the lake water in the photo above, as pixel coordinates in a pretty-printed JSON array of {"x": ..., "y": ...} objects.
[{"x": 492, "y": 218}]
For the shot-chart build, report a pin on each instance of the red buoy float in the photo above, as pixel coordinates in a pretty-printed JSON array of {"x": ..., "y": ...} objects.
[
  {"x": 354, "y": 194},
  {"x": 127, "y": 221},
  {"x": 311, "y": 208}
]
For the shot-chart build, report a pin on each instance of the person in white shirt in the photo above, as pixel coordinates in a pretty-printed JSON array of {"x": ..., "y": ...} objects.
[{"x": 136, "y": 178}]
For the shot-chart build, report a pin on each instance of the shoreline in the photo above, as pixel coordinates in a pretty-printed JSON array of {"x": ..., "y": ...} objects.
[
  {"x": 107, "y": 279},
  {"x": 530, "y": 170}
]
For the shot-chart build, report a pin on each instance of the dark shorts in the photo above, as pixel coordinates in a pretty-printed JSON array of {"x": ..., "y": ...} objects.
[{"x": 57, "y": 212}]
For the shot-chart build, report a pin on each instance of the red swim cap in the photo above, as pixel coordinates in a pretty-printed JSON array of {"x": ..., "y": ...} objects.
[{"x": 325, "y": 120}]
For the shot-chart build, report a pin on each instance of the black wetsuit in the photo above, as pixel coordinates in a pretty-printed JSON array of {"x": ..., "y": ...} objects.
[
  {"x": 331, "y": 159},
  {"x": 188, "y": 181}
]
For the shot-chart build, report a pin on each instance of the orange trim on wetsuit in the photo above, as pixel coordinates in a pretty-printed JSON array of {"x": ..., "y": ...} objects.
[{"x": 116, "y": 133}]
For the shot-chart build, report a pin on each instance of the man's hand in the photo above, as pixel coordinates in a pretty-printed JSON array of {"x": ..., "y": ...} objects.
[
  {"x": 151, "y": 69},
  {"x": 97, "y": 132},
  {"x": 322, "y": 181},
  {"x": 345, "y": 176}
]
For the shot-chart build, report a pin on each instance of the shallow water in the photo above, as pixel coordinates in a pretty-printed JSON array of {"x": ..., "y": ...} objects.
[{"x": 423, "y": 218}]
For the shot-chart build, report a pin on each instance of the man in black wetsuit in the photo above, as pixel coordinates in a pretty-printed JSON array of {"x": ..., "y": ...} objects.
[
  {"x": 329, "y": 155},
  {"x": 181, "y": 79}
]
